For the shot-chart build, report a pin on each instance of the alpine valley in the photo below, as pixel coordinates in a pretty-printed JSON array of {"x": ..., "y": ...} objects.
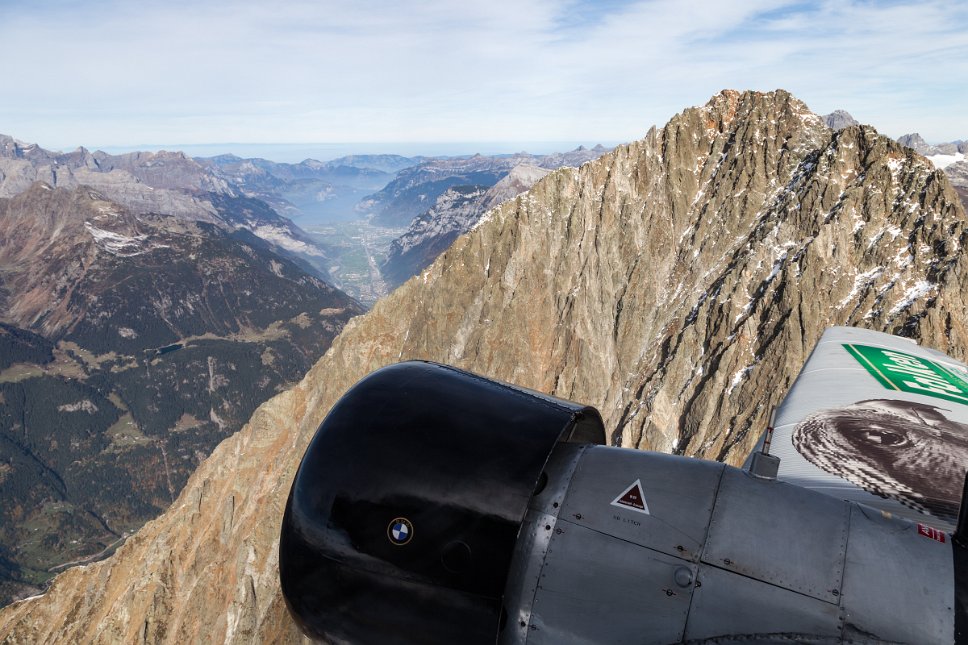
[{"x": 676, "y": 283}]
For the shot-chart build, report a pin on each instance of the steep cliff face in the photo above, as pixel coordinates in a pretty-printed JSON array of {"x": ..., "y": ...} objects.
[{"x": 677, "y": 283}]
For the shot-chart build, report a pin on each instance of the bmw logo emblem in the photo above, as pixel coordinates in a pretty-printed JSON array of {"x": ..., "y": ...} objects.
[{"x": 400, "y": 531}]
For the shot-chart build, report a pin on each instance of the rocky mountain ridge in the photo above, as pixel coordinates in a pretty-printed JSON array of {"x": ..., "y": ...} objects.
[
  {"x": 166, "y": 183},
  {"x": 417, "y": 188},
  {"x": 958, "y": 175},
  {"x": 162, "y": 182},
  {"x": 916, "y": 142},
  {"x": 677, "y": 283},
  {"x": 949, "y": 157}
]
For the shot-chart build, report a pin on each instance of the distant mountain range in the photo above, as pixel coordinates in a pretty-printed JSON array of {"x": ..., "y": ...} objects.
[
  {"x": 388, "y": 192},
  {"x": 916, "y": 142},
  {"x": 416, "y": 189},
  {"x": 154, "y": 182}
]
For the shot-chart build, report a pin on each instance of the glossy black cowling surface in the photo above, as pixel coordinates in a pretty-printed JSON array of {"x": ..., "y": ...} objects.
[{"x": 404, "y": 513}]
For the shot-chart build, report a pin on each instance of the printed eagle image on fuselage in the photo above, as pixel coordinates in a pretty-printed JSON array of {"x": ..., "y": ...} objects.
[{"x": 892, "y": 449}]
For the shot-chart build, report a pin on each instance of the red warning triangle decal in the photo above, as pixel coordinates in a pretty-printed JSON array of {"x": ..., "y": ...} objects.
[{"x": 633, "y": 498}]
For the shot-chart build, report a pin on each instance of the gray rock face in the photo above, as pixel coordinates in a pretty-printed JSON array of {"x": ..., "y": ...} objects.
[
  {"x": 958, "y": 174},
  {"x": 677, "y": 283},
  {"x": 957, "y": 170},
  {"x": 839, "y": 119},
  {"x": 915, "y": 142}
]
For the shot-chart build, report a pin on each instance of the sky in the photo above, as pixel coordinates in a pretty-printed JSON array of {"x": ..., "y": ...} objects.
[{"x": 146, "y": 73}]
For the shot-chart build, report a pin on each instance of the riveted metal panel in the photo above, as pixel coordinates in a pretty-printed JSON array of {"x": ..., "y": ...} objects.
[
  {"x": 725, "y": 605},
  {"x": 526, "y": 564},
  {"x": 677, "y": 491},
  {"x": 898, "y": 584},
  {"x": 779, "y": 533},
  {"x": 533, "y": 539},
  {"x": 595, "y": 588}
]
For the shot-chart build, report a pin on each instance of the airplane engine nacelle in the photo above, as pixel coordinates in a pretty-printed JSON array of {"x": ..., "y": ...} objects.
[
  {"x": 435, "y": 506},
  {"x": 404, "y": 513}
]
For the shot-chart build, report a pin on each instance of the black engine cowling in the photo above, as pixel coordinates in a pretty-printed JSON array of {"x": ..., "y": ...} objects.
[{"x": 405, "y": 510}]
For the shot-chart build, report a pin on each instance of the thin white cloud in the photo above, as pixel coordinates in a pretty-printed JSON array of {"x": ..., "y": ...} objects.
[{"x": 184, "y": 72}]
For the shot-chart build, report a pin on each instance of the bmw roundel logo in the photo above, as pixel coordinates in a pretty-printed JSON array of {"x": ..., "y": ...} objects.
[{"x": 400, "y": 531}]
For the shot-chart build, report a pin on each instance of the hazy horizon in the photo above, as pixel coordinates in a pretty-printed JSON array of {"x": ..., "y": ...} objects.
[{"x": 297, "y": 152}]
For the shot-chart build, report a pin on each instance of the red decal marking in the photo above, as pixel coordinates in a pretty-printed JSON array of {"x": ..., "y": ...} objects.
[
  {"x": 633, "y": 498},
  {"x": 932, "y": 533}
]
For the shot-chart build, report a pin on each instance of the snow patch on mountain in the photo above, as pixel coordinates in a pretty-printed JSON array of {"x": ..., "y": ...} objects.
[
  {"x": 914, "y": 293},
  {"x": 115, "y": 243},
  {"x": 943, "y": 161},
  {"x": 283, "y": 237}
]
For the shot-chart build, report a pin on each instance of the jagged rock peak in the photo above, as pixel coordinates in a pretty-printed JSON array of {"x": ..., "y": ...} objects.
[
  {"x": 917, "y": 143},
  {"x": 677, "y": 283},
  {"x": 914, "y": 141},
  {"x": 839, "y": 119}
]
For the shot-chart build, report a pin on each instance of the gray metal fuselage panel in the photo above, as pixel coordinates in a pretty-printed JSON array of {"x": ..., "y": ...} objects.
[{"x": 712, "y": 553}]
